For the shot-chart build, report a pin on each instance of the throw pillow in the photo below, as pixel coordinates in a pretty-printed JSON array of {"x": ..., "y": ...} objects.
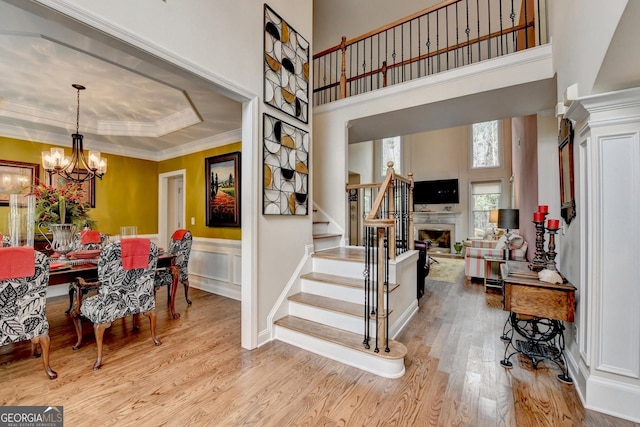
[
  {"x": 502, "y": 242},
  {"x": 516, "y": 241}
]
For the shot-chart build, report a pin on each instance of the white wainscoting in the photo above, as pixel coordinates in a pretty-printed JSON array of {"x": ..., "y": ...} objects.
[{"x": 215, "y": 266}]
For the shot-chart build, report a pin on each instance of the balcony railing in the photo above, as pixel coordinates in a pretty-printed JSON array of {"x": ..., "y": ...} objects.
[{"x": 445, "y": 36}]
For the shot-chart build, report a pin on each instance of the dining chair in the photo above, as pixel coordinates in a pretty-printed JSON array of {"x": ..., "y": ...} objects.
[
  {"x": 180, "y": 247},
  {"x": 86, "y": 240},
  {"x": 126, "y": 270},
  {"x": 24, "y": 277}
]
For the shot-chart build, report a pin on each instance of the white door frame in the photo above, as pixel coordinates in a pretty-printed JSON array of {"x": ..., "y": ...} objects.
[{"x": 163, "y": 188}]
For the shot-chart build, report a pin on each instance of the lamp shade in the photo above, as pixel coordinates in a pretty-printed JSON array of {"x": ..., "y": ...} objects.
[
  {"x": 493, "y": 216},
  {"x": 508, "y": 219}
]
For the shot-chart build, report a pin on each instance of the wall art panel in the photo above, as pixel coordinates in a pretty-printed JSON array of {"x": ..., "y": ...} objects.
[
  {"x": 286, "y": 168},
  {"x": 286, "y": 67}
]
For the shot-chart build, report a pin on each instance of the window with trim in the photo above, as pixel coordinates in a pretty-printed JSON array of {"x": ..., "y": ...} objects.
[
  {"x": 485, "y": 147},
  {"x": 392, "y": 152},
  {"x": 485, "y": 196}
]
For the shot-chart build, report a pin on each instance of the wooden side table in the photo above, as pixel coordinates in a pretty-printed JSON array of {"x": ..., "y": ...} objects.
[
  {"x": 537, "y": 312},
  {"x": 489, "y": 261}
]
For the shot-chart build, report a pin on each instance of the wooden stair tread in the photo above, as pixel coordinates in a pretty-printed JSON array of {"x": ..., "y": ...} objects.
[
  {"x": 325, "y": 235},
  {"x": 342, "y": 253},
  {"x": 335, "y": 279},
  {"x": 333, "y": 304},
  {"x": 320, "y": 222},
  {"x": 340, "y": 280},
  {"x": 341, "y": 337}
]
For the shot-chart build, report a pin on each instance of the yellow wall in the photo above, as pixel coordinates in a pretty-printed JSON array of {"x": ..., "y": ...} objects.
[
  {"x": 128, "y": 193},
  {"x": 195, "y": 193}
]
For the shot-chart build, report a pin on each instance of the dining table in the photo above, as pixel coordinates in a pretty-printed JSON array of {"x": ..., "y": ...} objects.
[{"x": 87, "y": 269}]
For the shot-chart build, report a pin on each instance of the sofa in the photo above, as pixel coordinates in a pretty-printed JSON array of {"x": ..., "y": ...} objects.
[{"x": 477, "y": 250}]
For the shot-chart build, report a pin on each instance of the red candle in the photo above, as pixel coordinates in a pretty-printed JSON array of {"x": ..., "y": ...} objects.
[
  {"x": 538, "y": 217},
  {"x": 553, "y": 224},
  {"x": 543, "y": 208}
]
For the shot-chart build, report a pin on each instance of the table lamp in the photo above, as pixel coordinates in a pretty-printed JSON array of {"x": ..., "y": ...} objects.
[
  {"x": 508, "y": 219},
  {"x": 493, "y": 219}
]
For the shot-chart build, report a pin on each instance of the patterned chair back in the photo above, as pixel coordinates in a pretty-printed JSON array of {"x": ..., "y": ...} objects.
[
  {"x": 23, "y": 307},
  {"x": 78, "y": 246},
  {"x": 6, "y": 242},
  {"x": 182, "y": 249},
  {"x": 23, "y": 313},
  {"x": 123, "y": 292}
]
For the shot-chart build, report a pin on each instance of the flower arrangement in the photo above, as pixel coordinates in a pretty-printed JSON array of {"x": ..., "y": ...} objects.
[{"x": 62, "y": 205}]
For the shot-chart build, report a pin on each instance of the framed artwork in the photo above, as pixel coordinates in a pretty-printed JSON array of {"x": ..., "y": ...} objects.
[
  {"x": 286, "y": 168},
  {"x": 567, "y": 191},
  {"x": 17, "y": 178},
  {"x": 222, "y": 176},
  {"x": 286, "y": 67},
  {"x": 88, "y": 186}
]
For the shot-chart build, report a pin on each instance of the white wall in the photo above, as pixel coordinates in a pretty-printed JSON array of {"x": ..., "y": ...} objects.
[
  {"x": 581, "y": 33},
  {"x": 361, "y": 161}
]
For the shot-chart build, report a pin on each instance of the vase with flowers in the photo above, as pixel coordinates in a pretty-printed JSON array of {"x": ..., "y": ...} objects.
[{"x": 62, "y": 210}]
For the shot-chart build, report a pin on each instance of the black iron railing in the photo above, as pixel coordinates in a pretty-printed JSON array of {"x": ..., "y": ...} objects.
[
  {"x": 448, "y": 35},
  {"x": 386, "y": 221}
]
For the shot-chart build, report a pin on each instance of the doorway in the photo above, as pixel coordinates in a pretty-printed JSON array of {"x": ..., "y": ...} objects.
[{"x": 171, "y": 202}]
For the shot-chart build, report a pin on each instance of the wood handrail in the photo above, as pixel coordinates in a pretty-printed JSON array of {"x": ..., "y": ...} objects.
[
  {"x": 386, "y": 67},
  {"x": 384, "y": 187},
  {"x": 385, "y": 27}
]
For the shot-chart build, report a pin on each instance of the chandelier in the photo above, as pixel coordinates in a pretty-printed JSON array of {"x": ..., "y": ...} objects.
[{"x": 77, "y": 167}]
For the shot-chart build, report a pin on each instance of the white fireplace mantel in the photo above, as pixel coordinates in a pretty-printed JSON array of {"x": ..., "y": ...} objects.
[
  {"x": 451, "y": 220},
  {"x": 425, "y": 217}
]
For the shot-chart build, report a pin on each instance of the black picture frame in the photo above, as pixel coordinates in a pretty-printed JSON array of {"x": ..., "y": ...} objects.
[
  {"x": 565, "y": 156},
  {"x": 285, "y": 151},
  {"x": 17, "y": 178},
  {"x": 89, "y": 186},
  {"x": 222, "y": 182},
  {"x": 286, "y": 67}
]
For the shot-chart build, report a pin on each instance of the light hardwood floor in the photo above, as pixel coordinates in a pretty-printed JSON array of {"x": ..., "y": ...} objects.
[{"x": 201, "y": 376}]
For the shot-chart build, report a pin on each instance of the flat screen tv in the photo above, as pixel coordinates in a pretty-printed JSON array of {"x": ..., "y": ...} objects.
[{"x": 441, "y": 191}]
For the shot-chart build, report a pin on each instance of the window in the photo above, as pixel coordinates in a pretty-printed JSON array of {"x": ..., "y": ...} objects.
[
  {"x": 391, "y": 152},
  {"x": 485, "y": 196},
  {"x": 486, "y": 145}
]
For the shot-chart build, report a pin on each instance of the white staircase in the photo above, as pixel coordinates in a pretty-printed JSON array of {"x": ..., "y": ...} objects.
[{"x": 327, "y": 315}]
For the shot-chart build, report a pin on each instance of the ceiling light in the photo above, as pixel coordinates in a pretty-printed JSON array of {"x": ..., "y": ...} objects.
[{"x": 76, "y": 168}]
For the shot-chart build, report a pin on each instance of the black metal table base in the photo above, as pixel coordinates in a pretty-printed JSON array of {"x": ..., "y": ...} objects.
[{"x": 543, "y": 339}]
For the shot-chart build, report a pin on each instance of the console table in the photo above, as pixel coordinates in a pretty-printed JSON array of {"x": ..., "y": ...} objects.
[{"x": 537, "y": 312}]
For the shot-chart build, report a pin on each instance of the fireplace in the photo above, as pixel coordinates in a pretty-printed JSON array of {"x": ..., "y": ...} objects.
[
  {"x": 441, "y": 227},
  {"x": 439, "y": 237}
]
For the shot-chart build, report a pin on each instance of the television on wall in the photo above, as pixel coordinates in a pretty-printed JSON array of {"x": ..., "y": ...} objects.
[{"x": 437, "y": 192}]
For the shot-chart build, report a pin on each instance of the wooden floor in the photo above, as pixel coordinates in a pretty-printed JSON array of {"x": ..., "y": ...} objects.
[{"x": 201, "y": 376}]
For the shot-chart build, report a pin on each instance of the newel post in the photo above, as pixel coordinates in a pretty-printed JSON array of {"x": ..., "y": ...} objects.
[
  {"x": 391, "y": 213},
  {"x": 343, "y": 68}
]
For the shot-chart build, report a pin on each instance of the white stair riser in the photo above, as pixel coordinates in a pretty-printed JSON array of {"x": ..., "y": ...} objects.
[
  {"x": 339, "y": 292},
  {"x": 326, "y": 243},
  {"x": 388, "y": 368},
  {"x": 331, "y": 318},
  {"x": 339, "y": 267},
  {"x": 320, "y": 227},
  {"x": 329, "y": 290}
]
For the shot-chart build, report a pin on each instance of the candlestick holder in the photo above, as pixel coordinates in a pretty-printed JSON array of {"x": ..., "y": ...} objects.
[
  {"x": 551, "y": 254},
  {"x": 539, "y": 262}
]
